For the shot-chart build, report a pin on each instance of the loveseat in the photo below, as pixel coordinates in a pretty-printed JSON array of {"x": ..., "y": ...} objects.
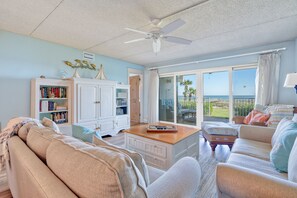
[
  {"x": 46, "y": 164},
  {"x": 249, "y": 173}
]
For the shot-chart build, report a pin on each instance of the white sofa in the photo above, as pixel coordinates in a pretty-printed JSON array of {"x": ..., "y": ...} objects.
[
  {"x": 62, "y": 166},
  {"x": 249, "y": 173}
]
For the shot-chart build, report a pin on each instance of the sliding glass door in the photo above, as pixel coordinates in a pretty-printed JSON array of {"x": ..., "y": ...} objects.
[
  {"x": 207, "y": 95},
  {"x": 166, "y": 99},
  {"x": 216, "y": 96},
  {"x": 243, "y": 91},
  {"x": 186, "y": 99}
]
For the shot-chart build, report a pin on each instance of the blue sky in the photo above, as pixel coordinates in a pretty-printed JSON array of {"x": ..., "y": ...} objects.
[{"x": 217, "y": 83}]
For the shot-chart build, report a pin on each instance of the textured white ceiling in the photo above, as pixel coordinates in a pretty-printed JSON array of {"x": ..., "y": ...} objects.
[{"x": 98, "y": 25}]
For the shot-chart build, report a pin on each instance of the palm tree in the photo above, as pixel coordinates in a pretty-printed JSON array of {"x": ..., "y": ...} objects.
[
  {"x": 192, "y": 92},
  {"x": 186, "y": 83}
]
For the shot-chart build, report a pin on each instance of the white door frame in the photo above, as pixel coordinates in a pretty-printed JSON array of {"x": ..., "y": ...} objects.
[{"x": 140, "y": 73}]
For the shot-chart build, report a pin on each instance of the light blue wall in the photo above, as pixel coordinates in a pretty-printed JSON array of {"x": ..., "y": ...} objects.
[
  {"x": 296, "y": 54},
  {"x": 288, "y": 65},
  {"x": 23, "y": 58}
]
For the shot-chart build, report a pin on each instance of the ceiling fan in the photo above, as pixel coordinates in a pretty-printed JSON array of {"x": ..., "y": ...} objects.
[{"x": 157, "y": 34}]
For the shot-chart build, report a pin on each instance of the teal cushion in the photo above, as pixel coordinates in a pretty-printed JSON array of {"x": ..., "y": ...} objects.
[
  {"x": 83, "y": 133},
  {"x": 280, "y": 152}
]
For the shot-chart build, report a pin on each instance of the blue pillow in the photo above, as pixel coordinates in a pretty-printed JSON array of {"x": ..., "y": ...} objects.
[
  {"x": 83, "y": 133},
  {"x": 280, "y": 152}
]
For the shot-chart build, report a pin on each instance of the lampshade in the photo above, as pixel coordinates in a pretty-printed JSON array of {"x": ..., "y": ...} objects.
[{"x": 291, "y": 80}]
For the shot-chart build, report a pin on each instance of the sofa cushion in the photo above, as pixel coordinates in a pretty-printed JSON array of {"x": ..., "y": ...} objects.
[
  {"x": 255, "y": 164},
  {"x": 280, "y": 152},
  {"x": 252, "y": 148},
  {"x": 83, "y": 133},
  {"x": 91, "y": 171},
  {"x": 24, "y": 130},
  {"x": 136, "y": 157},
  {"x": 292, "y": 165},
  {"x": 38, "y": 140}
]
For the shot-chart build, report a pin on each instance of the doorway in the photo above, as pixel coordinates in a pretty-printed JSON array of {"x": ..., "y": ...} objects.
[{"x": 135, "y": 79}]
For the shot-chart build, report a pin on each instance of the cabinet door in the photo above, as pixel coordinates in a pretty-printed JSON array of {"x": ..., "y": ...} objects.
[
  {"x": 123, "y": 122},
  {"x": 107, "y": 101},
  {"x": 87, "y": 102},
  {"x": 107, "y": 126}
]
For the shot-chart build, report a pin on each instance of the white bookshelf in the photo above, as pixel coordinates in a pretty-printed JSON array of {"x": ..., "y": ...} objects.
[
  {"x": 122, "y": 107},
  {"x": 51, "y": 98}
]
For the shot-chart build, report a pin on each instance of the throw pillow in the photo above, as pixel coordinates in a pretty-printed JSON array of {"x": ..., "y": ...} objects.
[
  {"x": 136, "y": 157},
  {"x": 83, "y": 133},
  {"x": 279, "y": 130},
  {"x": 260, "y": 118},
  {"x": 248, "y": 118},
  {"x": 278, "y": 112},
  {"x": 280, "y": 152},
  {"x": 256, "y": 116},
  {"x": 51, "y": 124},
  {"x": 292, "y": 166}
]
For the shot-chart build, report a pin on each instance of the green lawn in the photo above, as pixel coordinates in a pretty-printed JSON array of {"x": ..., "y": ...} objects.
[{"x": 221, "y": 113}]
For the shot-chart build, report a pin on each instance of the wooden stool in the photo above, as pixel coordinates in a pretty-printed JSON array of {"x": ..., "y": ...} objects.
[{"x": 214, "y": 140}]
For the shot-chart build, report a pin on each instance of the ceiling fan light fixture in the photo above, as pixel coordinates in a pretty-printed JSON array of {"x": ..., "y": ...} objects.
[
  {"x": 157, "y": 33},
  {"x": 156, "y": 45}
]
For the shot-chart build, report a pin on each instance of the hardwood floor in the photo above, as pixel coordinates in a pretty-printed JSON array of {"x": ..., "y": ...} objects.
[{"x": 207, "y": 160}]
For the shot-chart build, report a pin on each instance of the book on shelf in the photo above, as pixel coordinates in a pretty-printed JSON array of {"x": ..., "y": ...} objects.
[
  {"x": 61, "y": 108},
  {"x": 59, "y": 117},
  {"x": 50, "y": 106},
  {"x": 53, "y": 92}
]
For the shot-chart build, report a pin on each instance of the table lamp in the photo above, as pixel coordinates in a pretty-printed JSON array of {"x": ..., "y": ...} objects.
[{"x": 291, "y": 81}]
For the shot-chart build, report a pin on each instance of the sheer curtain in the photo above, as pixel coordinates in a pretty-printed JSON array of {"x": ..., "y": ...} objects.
[
  {"x": 153, "y": 96},
  {"x": 267, "y": 78}
]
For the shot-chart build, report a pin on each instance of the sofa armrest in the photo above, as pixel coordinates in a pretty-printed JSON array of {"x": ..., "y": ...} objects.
[
  {"x": 235, "y": 181},
  {"x": 181, "y": 180},
  {"x": 238, "y": 119},
  {"x": 256, "y": 133}
]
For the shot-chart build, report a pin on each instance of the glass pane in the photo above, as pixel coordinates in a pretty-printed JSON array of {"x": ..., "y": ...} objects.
[
  {"x": 186, "y": 99},
  {"x": 216, "y": 96},
  {"x": 166, "y": 99},
  {"x": 243, "y": 91}
]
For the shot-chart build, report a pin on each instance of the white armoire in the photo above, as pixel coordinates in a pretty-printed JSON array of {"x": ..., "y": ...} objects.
[{"x": 95, "y": 106}]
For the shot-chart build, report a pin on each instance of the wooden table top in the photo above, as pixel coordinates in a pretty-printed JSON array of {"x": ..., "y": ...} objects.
[{"x": 166, "y": 137}]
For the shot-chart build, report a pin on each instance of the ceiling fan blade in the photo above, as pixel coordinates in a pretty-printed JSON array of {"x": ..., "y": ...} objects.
[
  {"x": 178, "y": 40},
  {"x": 156, "y": 45},
  {"x": 138, "y": 31},
  {"x": 135, "y": 40},
  {"x": 172, "y": 26}
]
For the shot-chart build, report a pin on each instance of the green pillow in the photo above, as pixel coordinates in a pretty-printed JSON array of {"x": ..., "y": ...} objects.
[
  {"x": 83, "y": 133},
  {"x": 280, "y": 152}
]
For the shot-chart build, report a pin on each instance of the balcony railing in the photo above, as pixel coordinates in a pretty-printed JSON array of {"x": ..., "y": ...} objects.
[{"x": 215, "y": 108}]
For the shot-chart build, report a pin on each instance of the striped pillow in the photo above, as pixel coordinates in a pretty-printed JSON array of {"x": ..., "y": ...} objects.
[{"x": 278, "y": 112}]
